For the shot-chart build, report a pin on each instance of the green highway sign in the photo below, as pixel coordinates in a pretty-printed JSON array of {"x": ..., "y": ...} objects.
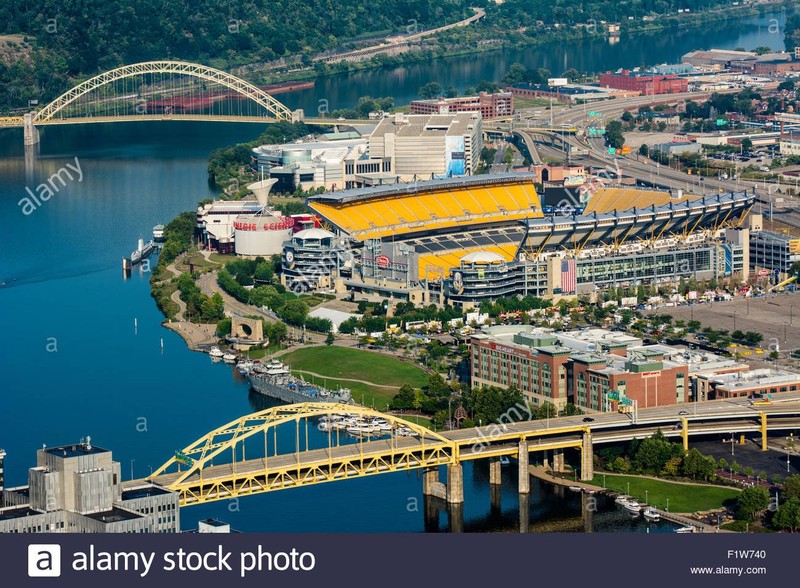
[
  {"x": 611, "y": 150},
  {"x": 613, "y": 395},
  {"x": 721, "y": 122}
]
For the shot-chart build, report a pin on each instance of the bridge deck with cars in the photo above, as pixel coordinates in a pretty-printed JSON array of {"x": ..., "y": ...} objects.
[{"x": 201, "y": 480}]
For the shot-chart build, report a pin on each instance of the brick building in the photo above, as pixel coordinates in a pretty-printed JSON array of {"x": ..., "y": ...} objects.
[
  {"x": 489, "y": 105},
  {"x": 589, "y": 368},
  {"x": 645, "y": 82}
]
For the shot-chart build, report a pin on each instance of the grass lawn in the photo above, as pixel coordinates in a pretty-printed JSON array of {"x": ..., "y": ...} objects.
[
  {"x": 341, "y": 362},
  {"x": 682, "y": 497}
]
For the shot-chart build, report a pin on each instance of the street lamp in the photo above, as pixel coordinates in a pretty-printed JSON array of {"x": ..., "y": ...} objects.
[{"x": 667, "y": 504}]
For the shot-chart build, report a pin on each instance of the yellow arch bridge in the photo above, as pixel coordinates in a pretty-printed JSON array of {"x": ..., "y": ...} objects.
[
  {"x": 185, "y": 91},
  {"x": 246, "y": 456}
]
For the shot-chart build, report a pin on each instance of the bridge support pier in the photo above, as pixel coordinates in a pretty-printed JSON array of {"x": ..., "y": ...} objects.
[
  {"x": 685, "y": 433},
  {"x": 31, "y": 133},
  {"x": 589, "y": 504},
  {"x": 455, "y": 516},
  {"x": 494, "y": 471},
  {"x": 524, "y": 512},
  {"x": 524, "y": 475},
  {"x": 558, "y": 460},
  {"x": 455, "y": 484},
  {"x": 431, "y": 514},
  {"x": 495, "y": 494},
  {"x": 431, "y": 486},
  {"x": 763, "y": 429},
  {"x": 587, "y": 458}
]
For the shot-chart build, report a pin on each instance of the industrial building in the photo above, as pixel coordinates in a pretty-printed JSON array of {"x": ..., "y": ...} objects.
[
  {"x": 594, "y": 369},
  {"x": 428, "y": 146},
  {"x": 489, "y": 105},
  {"x": 569, "y": 93},
  {"x": 760, "y": 382},
  {"x": 78, "y": 489},
  {"x": 646, "y": 82}
]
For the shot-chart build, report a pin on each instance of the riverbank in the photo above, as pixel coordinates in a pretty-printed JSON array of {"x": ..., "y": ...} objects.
[
  {"x": 683, "y": 519},
  {"x": 521, "y": 41}
]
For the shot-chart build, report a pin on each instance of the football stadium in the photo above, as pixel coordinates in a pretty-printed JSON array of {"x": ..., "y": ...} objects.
[{"x": 475, "y": 238}]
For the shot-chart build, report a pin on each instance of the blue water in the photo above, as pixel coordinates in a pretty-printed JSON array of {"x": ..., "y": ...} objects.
[{"x": 74, "y": 365}]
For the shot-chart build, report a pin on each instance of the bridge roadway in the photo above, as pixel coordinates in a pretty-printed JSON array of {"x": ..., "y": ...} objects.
[{"x": 358, "y": 459}]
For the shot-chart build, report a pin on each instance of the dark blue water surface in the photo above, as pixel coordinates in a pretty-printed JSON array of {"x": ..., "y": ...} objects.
[{"x": 73, "y": 364}]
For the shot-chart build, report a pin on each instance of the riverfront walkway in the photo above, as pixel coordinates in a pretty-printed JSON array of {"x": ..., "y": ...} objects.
[{"x": 542, "y": 473}]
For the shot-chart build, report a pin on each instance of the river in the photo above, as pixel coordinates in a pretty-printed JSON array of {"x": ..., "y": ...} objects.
[{"x": 73, "y": 363}]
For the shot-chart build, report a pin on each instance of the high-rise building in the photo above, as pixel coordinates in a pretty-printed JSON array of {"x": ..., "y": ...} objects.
[{"x": 78, "y": 489}]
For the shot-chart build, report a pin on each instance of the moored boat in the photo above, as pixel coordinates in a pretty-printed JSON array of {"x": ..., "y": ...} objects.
[
  {"x": 651, "y": 514},
  {"x": 632, "y": 507},
  {"x": 215, "y": 352},
  {"x": 686, "y": 529}
]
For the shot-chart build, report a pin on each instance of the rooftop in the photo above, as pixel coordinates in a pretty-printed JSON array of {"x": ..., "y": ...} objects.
[
  {"x": 427, "y": 125},
  {"x": 17, "y": 512},
  {"x": 114, "y": 515},
  {"x": 408, "y": 188},
  {"x": 143, "y": 492},
  {"x": 75, "y": 450}
]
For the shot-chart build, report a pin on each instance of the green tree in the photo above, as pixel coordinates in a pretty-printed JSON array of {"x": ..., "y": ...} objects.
[
  {"x": 620, "y": 465},
  {"x": 329, "y": 339},
  {"x": 787, "y": 517},
  {"x": 791, "y": 487},
  {"x": 516, "y": 74},
  {"x": 614, "y": 136},
  {"x": 747, "y": 144},
  {"x": 294, "y": 312},
  {"x": 723, "y": 463},
  {"x": 750, "y": 502},
  {"x": 404, "y": 399},
  {"x": 430, "y": 90},
  {"x": 276, "y": 333},
  {"x": 672, "y": 467},
  {"x": 654, "y": 452}
]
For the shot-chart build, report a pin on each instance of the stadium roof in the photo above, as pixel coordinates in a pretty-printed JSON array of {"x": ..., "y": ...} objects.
[
  {"x": 314, "y": 234},
  {"x": 421, "y": 186},
  {"x": 483, "y": 256}
]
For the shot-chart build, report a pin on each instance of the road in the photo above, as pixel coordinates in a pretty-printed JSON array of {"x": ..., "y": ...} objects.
[{"x": 633, "y": 165}]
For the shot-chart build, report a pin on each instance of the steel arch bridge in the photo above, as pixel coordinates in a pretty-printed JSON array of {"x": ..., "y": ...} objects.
[
  {"x": 203, "y": 72},
  {"x": 201, "y": 481}
]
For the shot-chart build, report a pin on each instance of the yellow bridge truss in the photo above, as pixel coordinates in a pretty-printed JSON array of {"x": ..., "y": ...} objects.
[
  {"x": 201, "y": 481},
  {"x": 246, "y": 89}
]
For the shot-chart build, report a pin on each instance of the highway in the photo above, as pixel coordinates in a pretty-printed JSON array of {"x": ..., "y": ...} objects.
[{"x": 632, "y": 165}]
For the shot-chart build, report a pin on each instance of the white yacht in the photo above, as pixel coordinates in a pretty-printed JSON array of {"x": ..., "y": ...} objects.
[
  {"x": 632, "y": 507},
  {"x": 228, "y": 358},
  {"x": 651, "y": 514},
  {"x": 215, "y": 352}
]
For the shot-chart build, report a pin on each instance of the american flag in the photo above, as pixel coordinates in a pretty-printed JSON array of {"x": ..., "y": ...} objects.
[{"x": 568, "y": 277}]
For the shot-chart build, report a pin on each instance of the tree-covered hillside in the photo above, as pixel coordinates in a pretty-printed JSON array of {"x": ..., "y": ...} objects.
[{"x": 63, "y": 40}]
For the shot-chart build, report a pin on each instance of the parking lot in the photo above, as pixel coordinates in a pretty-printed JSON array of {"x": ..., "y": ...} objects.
[
  {"x": 749, "y": 455},
  {"x": 775, "y": 316}
]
